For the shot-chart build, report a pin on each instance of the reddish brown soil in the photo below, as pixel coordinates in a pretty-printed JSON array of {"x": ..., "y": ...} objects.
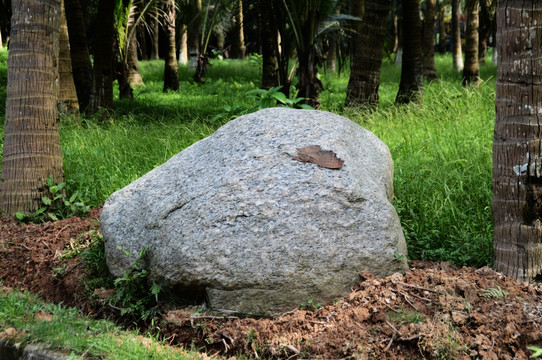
[{"x": 433, "y": 311}]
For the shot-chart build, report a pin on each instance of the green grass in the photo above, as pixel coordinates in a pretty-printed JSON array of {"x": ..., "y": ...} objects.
[
  {"x": 441, "y": 149},
  {"x": 67, "y": 329},
  {"x": 403, "y": 316}
]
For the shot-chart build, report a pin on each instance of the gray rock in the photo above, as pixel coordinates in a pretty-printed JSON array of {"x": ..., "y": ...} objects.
[{"x": 235, "y": 218}]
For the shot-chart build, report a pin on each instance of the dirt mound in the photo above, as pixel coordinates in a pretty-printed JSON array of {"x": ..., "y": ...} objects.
[{"x": 433, "y": 311}]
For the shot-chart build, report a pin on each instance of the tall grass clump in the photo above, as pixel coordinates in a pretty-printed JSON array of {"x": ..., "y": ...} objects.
[
  {"x": 441, "y": 148},
  {"x": 442, "y": 155}
]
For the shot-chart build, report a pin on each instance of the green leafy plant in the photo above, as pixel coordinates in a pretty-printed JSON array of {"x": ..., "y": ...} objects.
[
  {"x": 272, "y": 97},
  {"x": 132, "y": 294},
  {"x": 230, "y": 112},
  {"x": 55, "y": 206},
  {"x": 256, "y": 58},
  {"x": 537, "y": 351},
  {"x": 94, "y": 263},
  {"x": 310, "y": 305},
  {"x": 494, "y": 293}
]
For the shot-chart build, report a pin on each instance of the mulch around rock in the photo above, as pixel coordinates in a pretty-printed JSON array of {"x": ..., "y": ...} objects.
[{"x": 434, "y": 311}]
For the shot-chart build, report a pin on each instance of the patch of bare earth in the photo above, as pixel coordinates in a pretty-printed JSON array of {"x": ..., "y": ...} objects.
[{"x": 433, "y": 311}]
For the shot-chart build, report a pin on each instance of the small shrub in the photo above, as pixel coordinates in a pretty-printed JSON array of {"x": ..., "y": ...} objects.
[
  {"x": 497, "y": 293},
  {"x": 93, "y": 259},
  {"x": 310, "y": 305},
  {"x": 56, "y": 206},
  {"x": 273, "y": 97},
  {"x": 132, "y": 294}
]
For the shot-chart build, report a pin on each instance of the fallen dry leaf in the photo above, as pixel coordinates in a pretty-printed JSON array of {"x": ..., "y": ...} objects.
[{"x": 323, "y": 158}]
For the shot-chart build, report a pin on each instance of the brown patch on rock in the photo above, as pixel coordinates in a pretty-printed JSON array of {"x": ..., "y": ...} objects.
[{"x": 323, "y": 158}]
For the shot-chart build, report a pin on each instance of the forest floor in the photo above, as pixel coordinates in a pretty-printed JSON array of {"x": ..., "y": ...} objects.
[{"x": 435, "y": 310}]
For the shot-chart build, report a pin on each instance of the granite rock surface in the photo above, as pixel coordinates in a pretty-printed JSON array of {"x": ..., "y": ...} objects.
[{"x": 275, "y": 208}]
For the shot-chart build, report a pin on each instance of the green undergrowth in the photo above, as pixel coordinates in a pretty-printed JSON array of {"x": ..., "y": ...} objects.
[
  {"x": 67, "y": 329},
  {"x": 441, "y": 149}
]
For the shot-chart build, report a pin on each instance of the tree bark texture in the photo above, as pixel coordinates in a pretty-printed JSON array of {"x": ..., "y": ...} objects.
[
  {"x": 484, "y": 30},
  {"x": 67, "y": 97},
  {"x": 331, "y": 58},
  {"x": 429, "y": 70},
  {"x": 441, "y": 28},
  {"x": 155, "y": 39},
  {"x": 171, "y": 71},
  {"x": 357, "y": 8},
  {"x": 31, "y": 150},
  {"x": 471, "y": 71},
  {"x": 194, "y": 33},
  {"x": 80, "y": 55},
  {"x": 270, "y": 71},
  {"x": 238, "y": 36},
  {"x": 183, "y": 45},
  {"x": 307, "y": 72},
  {"x": 101, "y": 96},
  {"x": 517, "y": 146},
  {"x": 362, "y": 90},
  {"x": 457, "y": 52},
  {"x": 134, "y": 76},
  {"x": 411, "y": 85}
]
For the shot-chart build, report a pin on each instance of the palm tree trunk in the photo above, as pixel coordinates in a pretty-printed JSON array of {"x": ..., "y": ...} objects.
[
  {"x": 80, "y": 55},
  {"x": 270, "y": 72},
  {"x": 483, "y": 31},
  {"x": 134, "y": 76},
  {"x": 143, "y": 50},
  {"x": 31, "y": 150},
  {"x": 471, "y": 71},
  {"x": 517, "y": 150},
  {"x": 357, "y": 8},
  {"x": 155, "y": 29},
  {"x": 238, "y": 37},
  {"x": 307, "y": 73},
  {"x": 183, "y": 46},
  {"x": 331, "y": 59},
  {"x": 441, "y": 28},
  {"x": 362, "y": 90},
  {"x": 101, "y": 96},
  {"x": 411, "y": 86},
  {"x": 171, "y": 71},
  {"x": 194, "y": 34},
  {"x": 456, "y": 37},
  {"x": 429, "y": 70},
  {"x": 67, "y": 97}
]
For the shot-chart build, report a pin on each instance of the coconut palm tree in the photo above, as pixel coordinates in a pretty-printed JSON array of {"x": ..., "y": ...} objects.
[
  {"x": 471, "y": 71},
  {"x": 270, "y": 49},
  {"x": 308, "y": 21},
  {"x": 362, "y": 90},
  {"x": 456, "y": 37},
  {"x": 517, "y": 161},
  {"x": 171, "y": 68},
  {"x": 67, "y": 97},
  {"x": 101, "y": 95},
  {"x": 429, "y": 69},
  {"x": 79, "y": 52},
  {"x": 31, "y": 148},
  {"x": 411, "y": 86},
  {"x": 238, "y": 48}
]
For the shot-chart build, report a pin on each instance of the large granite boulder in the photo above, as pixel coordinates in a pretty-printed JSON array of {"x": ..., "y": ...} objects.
[{"x": 275, "y": 208}]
